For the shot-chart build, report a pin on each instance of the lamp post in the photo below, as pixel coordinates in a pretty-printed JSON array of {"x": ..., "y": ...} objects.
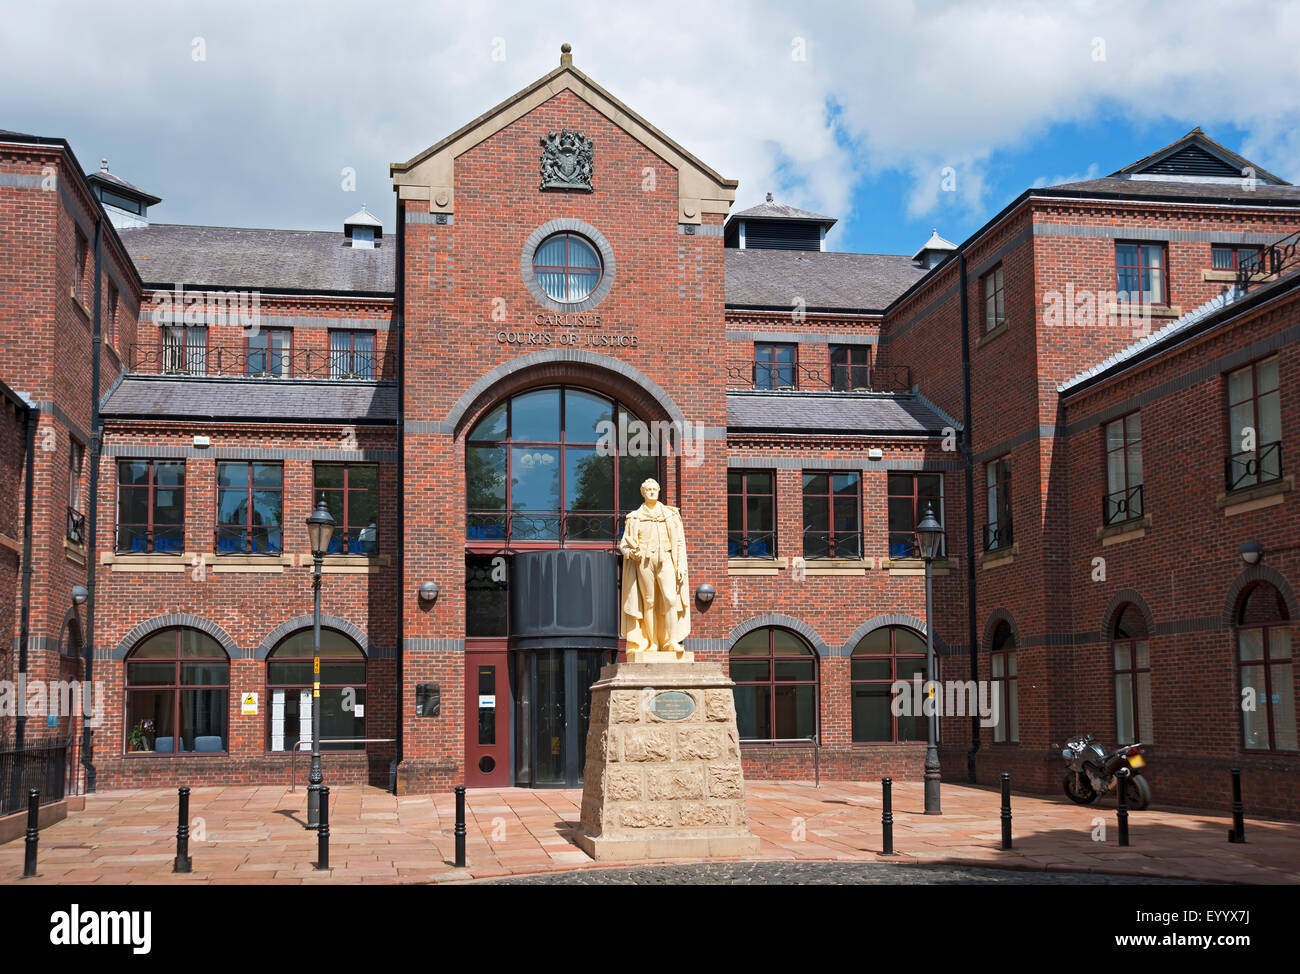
[
  {"x": 320, "y": 529},
  {"x": 929, "y": 536}
]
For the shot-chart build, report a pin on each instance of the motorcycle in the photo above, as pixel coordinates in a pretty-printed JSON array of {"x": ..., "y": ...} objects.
[{"x": 1091, "y": 771}]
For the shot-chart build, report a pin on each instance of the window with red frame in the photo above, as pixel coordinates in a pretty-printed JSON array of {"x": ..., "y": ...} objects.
[
  {"x": 832, "y": 515},
  {"x": 751, "y": 514},
  {"x": 1254, "y": 425},
  {"x": 850, "y": 367},
  {"x": 1140, "y": 272},
  {"x": 1266, "y": 666},
  {"x": 880, "y": 659},
  {"x": 1132, "y": 656},
  {"x": 351, "y": 494}
]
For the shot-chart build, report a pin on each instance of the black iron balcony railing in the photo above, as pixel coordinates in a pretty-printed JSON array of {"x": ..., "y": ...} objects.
[
  {"x": 76, "y": 526},
  {"x": 836, "y": 378},
  {"x": 754, "y": 544},
  {"x": 997, "y": 536},
  {"x": 260, "y": 363},
  {"x": 1122, "y": 505},
  {"x": 140, "y": 539},
  {"x": 1250, "y": 468},
  {"x": 823, "y": 544}
]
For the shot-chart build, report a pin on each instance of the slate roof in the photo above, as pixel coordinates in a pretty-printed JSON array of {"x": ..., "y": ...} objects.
[
  {"x": 263, "y": 400},
  {"x": 1231, "y": 192},
  {"x": 780, "y": 211},
  {"x": 1219, "y": 308},
  {"x": 825, "y": 281},
  {"x": 273, "y": 260},
  {"x": 849, "y": 413}
]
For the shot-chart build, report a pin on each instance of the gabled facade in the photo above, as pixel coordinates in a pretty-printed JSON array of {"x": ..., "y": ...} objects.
[{"x": 566, "y": 307}]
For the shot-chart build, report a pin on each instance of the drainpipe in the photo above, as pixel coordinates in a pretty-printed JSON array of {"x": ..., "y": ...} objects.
[
  {"x": 972, "y": 634},
  {"x": 399, "y": 320},
  {"x": 24, "y": 624},
  {"x": 96, "y": 440}
]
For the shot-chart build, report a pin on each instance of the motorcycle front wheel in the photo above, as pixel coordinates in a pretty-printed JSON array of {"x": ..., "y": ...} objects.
[
  {"x": 1078, "y": 789},
  {"x": 1137, "y": 792}
]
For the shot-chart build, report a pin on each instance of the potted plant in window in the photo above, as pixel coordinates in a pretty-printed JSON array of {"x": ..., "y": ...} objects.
[{"x": 140, "y": 737}]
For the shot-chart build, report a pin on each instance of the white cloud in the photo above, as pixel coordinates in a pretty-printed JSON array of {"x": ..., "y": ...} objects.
[{"x": 289, "y": 94}]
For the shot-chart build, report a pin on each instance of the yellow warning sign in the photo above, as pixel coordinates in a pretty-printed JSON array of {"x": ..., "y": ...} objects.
[{"x": 248, "y": 706}]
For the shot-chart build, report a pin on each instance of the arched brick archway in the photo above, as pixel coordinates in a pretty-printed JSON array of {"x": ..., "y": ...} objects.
[
  {"x": 1123, "y": 597},
  {"x": 290, "y": 626},
  {"x": 774, "y": 619},
  {"x": 997, "y": 616},
  {"x": 880, "y": 622},
  {"x": 175, "y": 621},
  {"x": 1253, "y": 574},
  {"x": 601, "y": 373}
]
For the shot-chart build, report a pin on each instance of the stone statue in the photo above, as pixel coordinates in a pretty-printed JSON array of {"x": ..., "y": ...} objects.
[{"x": 656, "y": 614}]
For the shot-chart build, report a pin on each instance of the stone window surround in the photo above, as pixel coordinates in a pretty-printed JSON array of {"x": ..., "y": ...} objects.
[{"x": 594, "y": 237}]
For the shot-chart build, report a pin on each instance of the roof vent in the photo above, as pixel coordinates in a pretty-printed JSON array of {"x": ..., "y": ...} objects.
[
  {"x": 935, "y": 250},
  {"x": 362, "y": 230}
]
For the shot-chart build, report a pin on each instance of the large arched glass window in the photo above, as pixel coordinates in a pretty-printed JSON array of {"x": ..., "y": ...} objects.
[
  {"x": 1005, "y": 685},
  {"x": 775, "y": 673},
  {"x": 567, "y": 266},
  {"x": 1131, "y": 650},
  {"x": 881, "y": 658},
  {"x": 1265, "y": 662},
  {"x": 342, "y": 691},
  {"x": 177, "y": 694},
  {"x": 555, "y": 466}
]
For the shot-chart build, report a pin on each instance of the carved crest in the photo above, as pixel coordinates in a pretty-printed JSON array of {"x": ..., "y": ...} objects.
[{"x": 566, "y": 161}]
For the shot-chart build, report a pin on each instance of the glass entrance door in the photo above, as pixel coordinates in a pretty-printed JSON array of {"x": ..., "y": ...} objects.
[{"x": 553, "y": 710}]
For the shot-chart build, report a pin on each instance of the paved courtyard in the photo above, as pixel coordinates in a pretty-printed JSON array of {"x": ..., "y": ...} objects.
[{"x": 256, "y": 835}]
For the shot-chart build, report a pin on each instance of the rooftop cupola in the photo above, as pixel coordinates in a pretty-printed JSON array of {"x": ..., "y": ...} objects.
[
  {"x": 776, "y": 226},
  {"x": 362, "y": 230},
  {"x": 934, "y": 252},
  {"x": 127, "y": 206}
]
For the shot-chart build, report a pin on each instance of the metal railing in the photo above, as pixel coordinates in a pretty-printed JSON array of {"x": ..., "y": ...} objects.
[
  {"x": 997, "y": 536},
  {"x": 755, "y": 544},
  {"x": 76, "y": 526},
  {"x": 823, "y": 544},
  {"x": 596, "y": 528},
  {"x": 1250, "y": 468},
  {"x": 791, "y": 376},
  {"x": 235, "y": 360},
  {"x": 1122, "y": 505},
  {"x": 43, "y": 768}
]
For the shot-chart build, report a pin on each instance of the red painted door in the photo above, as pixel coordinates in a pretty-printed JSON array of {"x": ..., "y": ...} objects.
[{"x": 487, "y": 719}]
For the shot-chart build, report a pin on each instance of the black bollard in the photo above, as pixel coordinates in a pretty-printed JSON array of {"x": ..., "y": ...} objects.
[
  {"x": 1238, "y": 831},
  {"x": 1123, "y": 811},
  {"x": 1006, "y": 809},
  {"x": 323, "y": 830},
  {"x": 460, "y": 827},
  {"x": 182, "y": 864},
  {"x": 887, "y": 817},
  {"x": 33, "y": 832}
]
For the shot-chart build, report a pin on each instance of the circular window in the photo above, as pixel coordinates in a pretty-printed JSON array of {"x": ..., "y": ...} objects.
[{"x": 567, "y": 267}]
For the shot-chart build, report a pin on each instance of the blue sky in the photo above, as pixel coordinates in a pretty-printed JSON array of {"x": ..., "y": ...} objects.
[{"x": 848, "y": 109}]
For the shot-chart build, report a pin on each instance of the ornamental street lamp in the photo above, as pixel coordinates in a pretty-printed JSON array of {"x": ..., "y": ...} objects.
[
  {"x": 320, "y": 530},
  {"x": 929, "y": 536}
]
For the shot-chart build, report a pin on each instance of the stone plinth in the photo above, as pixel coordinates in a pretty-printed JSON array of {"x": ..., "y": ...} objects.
[{"x": 668, "y": 784}]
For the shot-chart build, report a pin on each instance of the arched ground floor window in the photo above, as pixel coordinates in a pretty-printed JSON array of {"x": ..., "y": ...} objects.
[
  {"x": 1131, "y": 652},
  {"x": 177, "y": 694},
  {"x": 289, "y": 681},
  {"x": 776, "y": 686},
  {"x": 1265, "y": 664},
  {"x": 1005, "y": 685},
  {"x": 880, "y": 659}
]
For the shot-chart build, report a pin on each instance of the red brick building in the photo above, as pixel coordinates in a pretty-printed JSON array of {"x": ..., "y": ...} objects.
[{"x": 567, "y": 307}]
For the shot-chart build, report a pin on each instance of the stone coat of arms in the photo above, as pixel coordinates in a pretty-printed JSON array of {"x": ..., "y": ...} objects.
[{"x": 566, "y": 161}]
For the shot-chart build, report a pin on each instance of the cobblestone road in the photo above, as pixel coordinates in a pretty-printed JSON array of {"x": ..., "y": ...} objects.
[{"x": 819, "y": 874}]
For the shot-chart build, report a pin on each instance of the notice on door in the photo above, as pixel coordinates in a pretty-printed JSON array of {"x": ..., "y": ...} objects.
[{"x": 487, "y": 703}]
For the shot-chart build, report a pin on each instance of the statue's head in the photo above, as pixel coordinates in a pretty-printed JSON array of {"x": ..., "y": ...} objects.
[{"x": 650, "y": 489}]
